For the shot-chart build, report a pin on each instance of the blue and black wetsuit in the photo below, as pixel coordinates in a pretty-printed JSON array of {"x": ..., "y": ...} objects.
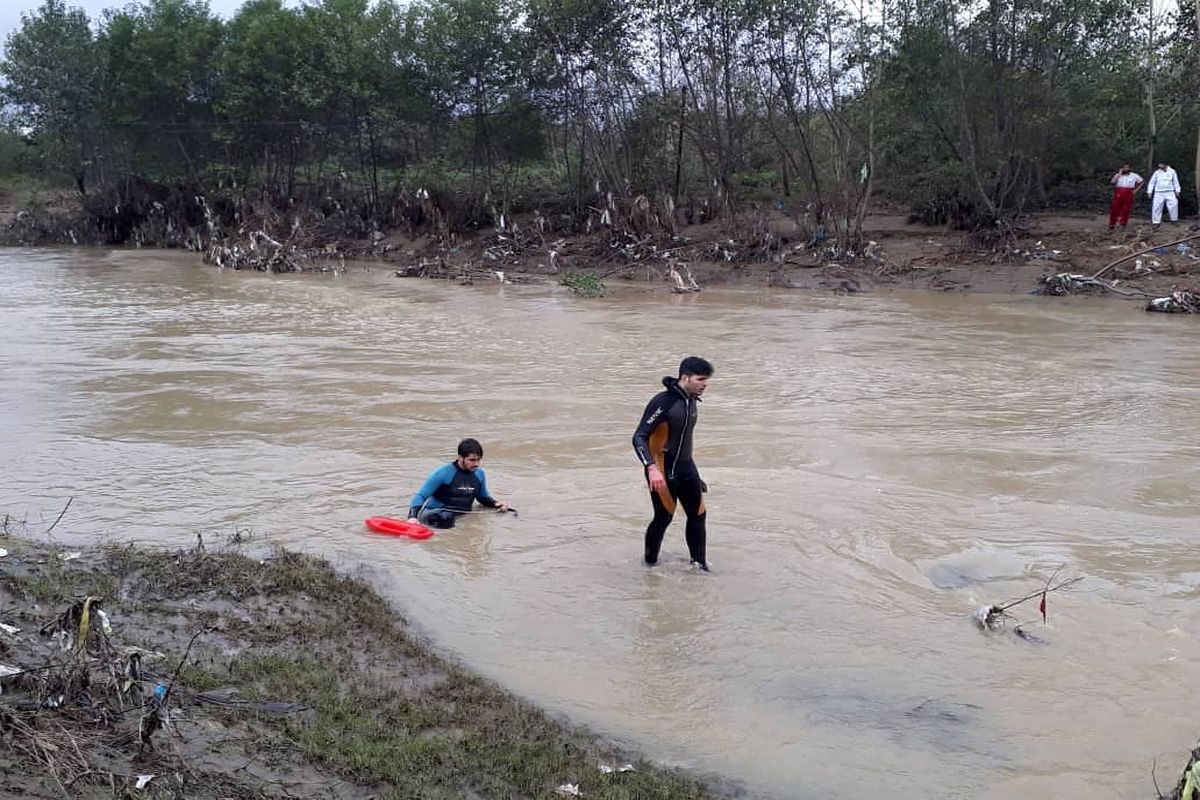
[
  {"x": 664, "y": 437},
  {"x": 450, "y": 490}
]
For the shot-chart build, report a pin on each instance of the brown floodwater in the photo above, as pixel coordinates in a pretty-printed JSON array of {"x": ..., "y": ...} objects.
[{"x": 879, "y": 467}]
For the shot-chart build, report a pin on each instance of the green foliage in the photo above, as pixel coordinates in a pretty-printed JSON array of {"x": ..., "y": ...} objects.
[
  {"x": 53, "y": 72},
  {"x": 16, "y": 154},
  {"x": 161, "y": 78},
  {"x": 976, "y": 109},
  {"x": 585, "y": 284}
]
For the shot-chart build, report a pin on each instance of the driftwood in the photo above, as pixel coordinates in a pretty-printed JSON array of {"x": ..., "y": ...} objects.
[
  {"x": 1068, "y": 283},
  {"x": 1150, "y": 249}
]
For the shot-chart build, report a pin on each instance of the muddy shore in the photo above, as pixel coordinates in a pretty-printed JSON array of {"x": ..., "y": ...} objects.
[
  {"x": 276, "y": 677},
  {"x": 900, "y": 255}
]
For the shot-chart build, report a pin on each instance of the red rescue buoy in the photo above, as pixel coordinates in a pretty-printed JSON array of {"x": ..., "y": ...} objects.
[{"x": 398, "y": 527}]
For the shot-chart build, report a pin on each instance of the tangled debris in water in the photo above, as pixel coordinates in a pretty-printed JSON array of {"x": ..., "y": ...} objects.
[
  {"x": 1180, "y": 302},
  {"x": 1068, "y": 283},
  {"x": 994, "y": 617}
]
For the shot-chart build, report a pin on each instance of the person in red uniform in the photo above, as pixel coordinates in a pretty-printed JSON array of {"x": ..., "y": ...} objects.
[{"x": 1125, "y": 183}]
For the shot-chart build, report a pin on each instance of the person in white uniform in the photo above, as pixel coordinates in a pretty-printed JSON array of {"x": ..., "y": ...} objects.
[{"x": 1163, "y": 190}]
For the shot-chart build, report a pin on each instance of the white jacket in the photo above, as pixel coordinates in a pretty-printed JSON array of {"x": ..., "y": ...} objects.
[{"x": 1163, "y": 180}]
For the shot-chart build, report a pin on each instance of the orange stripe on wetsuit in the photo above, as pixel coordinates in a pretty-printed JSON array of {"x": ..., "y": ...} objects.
[
  {"x": 666, "y": 426},
  {"x": 658, "y": 446}
]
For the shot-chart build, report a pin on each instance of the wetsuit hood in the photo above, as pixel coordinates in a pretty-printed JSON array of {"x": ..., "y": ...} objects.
[{"x": 672, "y": 385}]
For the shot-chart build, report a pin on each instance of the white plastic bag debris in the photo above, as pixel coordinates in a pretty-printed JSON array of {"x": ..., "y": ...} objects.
[
  {"x": 5, "y": 671},
  {"x": 989, "y": 617},
  {"x": 607, "y": 770},
  {"x": 11, "y": 630},
  {"x": 104, "y": 624},
  {"x": 569, "y": 790},
  {"x": 142, "y": 780},
  {"x": 3, "y": 552},
  {"x": 74, "y": 554}
]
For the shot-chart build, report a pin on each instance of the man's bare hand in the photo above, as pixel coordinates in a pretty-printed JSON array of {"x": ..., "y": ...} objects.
[{"x": 655, "y": 476}]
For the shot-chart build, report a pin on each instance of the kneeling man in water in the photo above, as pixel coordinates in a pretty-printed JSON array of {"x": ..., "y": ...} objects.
[{"x": 452, "y": 489}]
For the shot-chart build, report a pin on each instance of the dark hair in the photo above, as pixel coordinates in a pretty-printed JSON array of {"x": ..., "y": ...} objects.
[
  {"x": 470, "y": 447},
  {"x": 695, "y": 365}
]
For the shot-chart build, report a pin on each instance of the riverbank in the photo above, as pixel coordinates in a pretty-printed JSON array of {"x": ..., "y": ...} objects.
[
  {"x": 760, "y": 247},
  {"x": 280, "y": 678},
  {"x": 900, "y": 255}
]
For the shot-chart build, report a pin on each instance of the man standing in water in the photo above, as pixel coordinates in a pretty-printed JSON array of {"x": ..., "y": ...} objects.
[
  {"x": 663, "y": 443},
  {"x": 452, "y": 489}
]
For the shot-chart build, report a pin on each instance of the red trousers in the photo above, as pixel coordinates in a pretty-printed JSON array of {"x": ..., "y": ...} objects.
[{"x": 1122, "y": 204}]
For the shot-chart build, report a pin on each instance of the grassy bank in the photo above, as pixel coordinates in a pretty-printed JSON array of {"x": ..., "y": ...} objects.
[{"x": 299, "y": 682}]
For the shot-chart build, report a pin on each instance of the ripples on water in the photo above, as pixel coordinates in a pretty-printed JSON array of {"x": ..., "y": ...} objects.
[{"x": 879, "y": 467}]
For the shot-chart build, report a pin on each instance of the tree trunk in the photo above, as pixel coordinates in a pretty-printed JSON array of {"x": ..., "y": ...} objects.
[
  {"x": 1196, "y": 60},
  {"x": 679, "y": 145},
  {"x": 864, "y": 200},
  {"x": 1151, "y": 119}
]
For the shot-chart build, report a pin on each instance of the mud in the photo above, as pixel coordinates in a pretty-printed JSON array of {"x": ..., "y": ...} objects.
[{"x": 283, "y": 679}]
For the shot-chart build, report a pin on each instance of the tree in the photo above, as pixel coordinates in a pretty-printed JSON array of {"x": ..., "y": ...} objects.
[
  {"x": 996, "y": 88},
  {"x": 264, "y": 99},
  {"x": 52, "y": 77},
  {"x": 469, "y": 54},
  {"x": 581, "y": 63},
  {"x": 160, "y": 85}
]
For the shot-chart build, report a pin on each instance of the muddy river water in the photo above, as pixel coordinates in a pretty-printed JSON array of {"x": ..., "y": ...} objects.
[{"x": 879, "y": 467}]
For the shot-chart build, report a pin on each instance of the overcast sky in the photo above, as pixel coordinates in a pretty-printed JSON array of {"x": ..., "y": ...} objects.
[{"x": 11, "y": 10}]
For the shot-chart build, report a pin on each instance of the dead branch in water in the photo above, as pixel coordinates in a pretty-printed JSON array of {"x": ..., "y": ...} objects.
[
  {"x": 1067, "y": 283},
  {"x": 1039, "y": 594},
  {"x": 992, "y": 617},
  {"x": 60, "y": 514}
]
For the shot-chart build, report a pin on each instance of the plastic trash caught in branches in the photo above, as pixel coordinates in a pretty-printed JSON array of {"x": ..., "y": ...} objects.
[{"x": 993, "y": 617}]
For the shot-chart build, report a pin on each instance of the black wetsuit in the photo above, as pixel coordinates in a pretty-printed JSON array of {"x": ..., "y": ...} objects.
[{"x": 664, "y": 437}]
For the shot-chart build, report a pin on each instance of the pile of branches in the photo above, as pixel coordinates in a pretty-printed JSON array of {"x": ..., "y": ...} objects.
[
  {"x": 258, "y": 251},
  {"x": 129, "y": 211},
  {"x": 88, "y": 702},
  {"x": 33, "y": 228},
  {"x": 296, "y": 238},
  {"x": 1065, "y": 283}
]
